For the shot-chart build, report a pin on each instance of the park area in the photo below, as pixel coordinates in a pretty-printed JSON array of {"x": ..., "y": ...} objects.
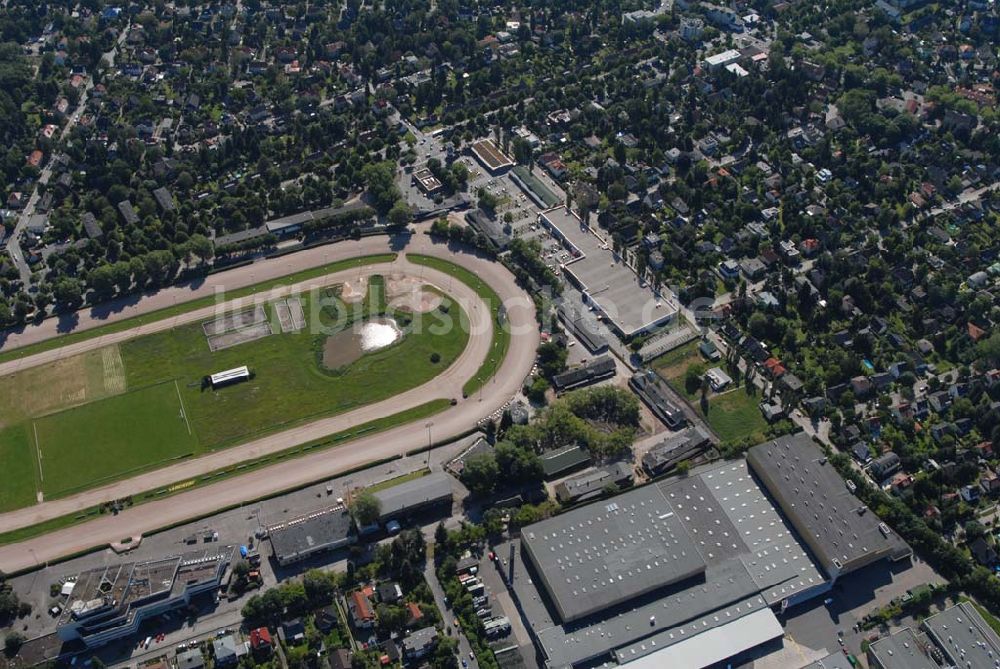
[
  {"x": 115, "y": 411},
  {"x": 733, "y": 414}
]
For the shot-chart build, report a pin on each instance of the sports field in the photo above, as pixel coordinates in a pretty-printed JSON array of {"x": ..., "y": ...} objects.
[
  {"x": 108, "y": 413},
  {"x": 105, "y": 440}
]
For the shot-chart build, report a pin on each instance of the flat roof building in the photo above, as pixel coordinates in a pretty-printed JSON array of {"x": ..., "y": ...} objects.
[
  {"x": 594, "y": 558},
  {"x": 835, "y": 660},
  {"x": 109, "y": 603},
  {"x": 673, "y": 450},
  {"x": 684, "y": 573},
  {"x": 626, "y": 303},
  {"x": 427, "y": 181},
  {"x": 901, "y": 650},
  {"x": 840, "y": 531},
  {"x": 492, "y": 158},
  {"x": 301, "y": 538},
  {"x": 964, "y": 637}
]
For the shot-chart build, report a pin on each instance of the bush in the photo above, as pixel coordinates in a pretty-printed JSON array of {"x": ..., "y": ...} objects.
[{"x": 435, "y": 358}]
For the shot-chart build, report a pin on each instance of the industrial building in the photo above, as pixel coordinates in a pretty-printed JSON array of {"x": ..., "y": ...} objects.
[
  {"x": 111, "y": 602},
  {"x": 901, "y": 650},
  {"x": 965, "y": 639},
  {"x": 582, "y": 327},
  {"x": 302, "y": 538},
  {"x": 660, "y": 566},
  {"x": 673, "y": 450},
  {"x": 842, "y": 534},
  {"x": 593, "y": 482},
  {"x": 654, "y": 391},
  {"x": 835, "y": 660},
  {"x": 416, "y": 496},
  {"x": 592, "y": 372},
  {"x": 688, "y": 572}
]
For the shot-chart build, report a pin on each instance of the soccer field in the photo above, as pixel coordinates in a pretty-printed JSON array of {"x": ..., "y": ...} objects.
[{"x": 105, "y": 440}]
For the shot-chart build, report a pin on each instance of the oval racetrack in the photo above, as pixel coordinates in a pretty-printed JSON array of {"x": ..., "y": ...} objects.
[{"x": 449, "y": 423}]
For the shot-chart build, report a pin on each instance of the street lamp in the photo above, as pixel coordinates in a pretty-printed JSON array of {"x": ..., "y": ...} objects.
[{"x": 427, "y": 460}]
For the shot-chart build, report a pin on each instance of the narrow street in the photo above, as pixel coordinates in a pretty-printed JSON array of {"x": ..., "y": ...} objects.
[
  {"x": 14, "y": 240},
  {"x": 464, "y": 648}
]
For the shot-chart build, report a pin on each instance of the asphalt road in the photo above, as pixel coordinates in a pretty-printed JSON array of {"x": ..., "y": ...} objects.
[{"x": 299, "y": 471}]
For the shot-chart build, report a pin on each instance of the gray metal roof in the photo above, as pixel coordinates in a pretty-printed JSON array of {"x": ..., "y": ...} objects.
[
  {"x": 593, "y": 481},
  {"x": 959, "y": 631},
  {"x": 675, "y": 448},
  {"x": 748, "y": 550},
  {"x": 295, "y": 539},
  {"x": 835, "y": 660},
  {"x": 604, "y": 554},
  {"x": 707, "y": 641},
  {"x": 581, "y": 326},
  {"x": 653, "y": 391},
  {"x": 815, "y": 498},
  {"x": 902, "y": 650},
  {"x": 412, "y": 495},
  {"x": 595, "y": 370},
  {"x": 164, "y": 199}
]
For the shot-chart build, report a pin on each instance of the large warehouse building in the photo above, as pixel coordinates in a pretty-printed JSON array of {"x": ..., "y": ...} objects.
[
  {"x": 688, "y": 572},
  {"x": 842, "y": 534}
]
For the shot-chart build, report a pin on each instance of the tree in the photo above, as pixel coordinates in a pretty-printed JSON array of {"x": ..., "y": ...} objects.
[
  {"x": 12, "y": 643},
  {"x": 400, "y": 213},
  {"x": 692, "y": 378},
  {"x": 366, "y": 509},
  {"x": 319, "y": 587},
  {"x": 392, "y": 618},
  {"x": 536, "y": 392},
  {"x": 974, "y": 530},
  {"x": 440, "y": 535},
  {"x": 552, "y": 358},
  {"x": 68, "y": 291},
  {"x": 480, "y": 474},
  {"x": 265, "y": 609},
  {"x": 522, "y": 465}
]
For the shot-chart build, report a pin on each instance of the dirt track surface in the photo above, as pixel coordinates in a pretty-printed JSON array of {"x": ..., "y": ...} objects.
[{"x": 302, "y": 470}]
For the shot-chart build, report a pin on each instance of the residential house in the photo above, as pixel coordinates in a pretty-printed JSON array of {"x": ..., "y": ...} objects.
[
  {"x": 362, "y": 613},
  {"x": 885, "y": 466}
]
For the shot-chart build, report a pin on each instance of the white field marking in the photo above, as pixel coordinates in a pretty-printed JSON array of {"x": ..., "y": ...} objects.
[
  {"x": 183, "y": 412},
  {"x": 38, "y": 452}
]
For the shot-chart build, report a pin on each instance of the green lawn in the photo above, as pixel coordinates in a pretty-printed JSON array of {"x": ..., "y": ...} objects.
[
  {"x": 374, "y": 427},
  {"x": 501, "y": 335},
  {"x": 19, "y": 474},
  {"x": 735, "y": 415},
  {"x": 191, "y": 305},
  {"x": 107, "y": 439},
  {"x": 290, "y": 385}
]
